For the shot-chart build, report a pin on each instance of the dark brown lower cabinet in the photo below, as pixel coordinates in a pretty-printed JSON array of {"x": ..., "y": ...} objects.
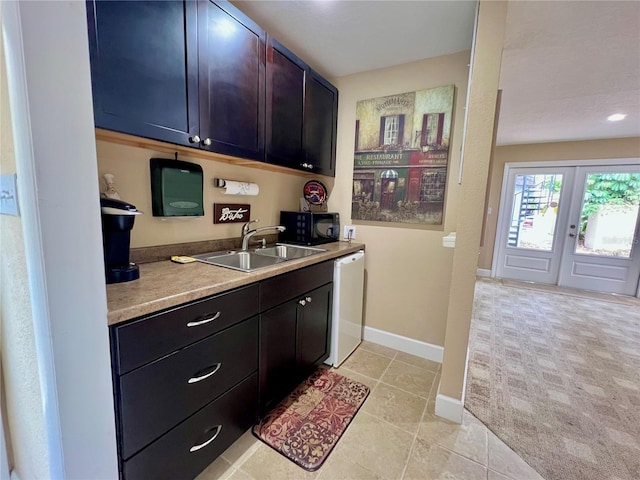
[
  {"x": 186, "y": 450},
  {"x": 295, "y": 335},
  {"x": 190, "y": 380}
]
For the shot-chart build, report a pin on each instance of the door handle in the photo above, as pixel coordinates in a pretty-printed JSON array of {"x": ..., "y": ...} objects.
[{"x": 572, "y": 234}]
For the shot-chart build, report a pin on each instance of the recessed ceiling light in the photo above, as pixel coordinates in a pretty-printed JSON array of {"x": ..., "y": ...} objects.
[{"x": 616, "y": 117}]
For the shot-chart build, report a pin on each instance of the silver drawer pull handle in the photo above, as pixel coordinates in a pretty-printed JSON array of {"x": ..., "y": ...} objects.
[
  {"x": 206, "y": 320},
  {"x": 215, "y": 367},
  {"x": 195, "y": 448}
]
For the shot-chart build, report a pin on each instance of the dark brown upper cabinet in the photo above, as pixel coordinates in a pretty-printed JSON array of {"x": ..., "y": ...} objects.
[
  {"x": 204, "y": 75},
  {"x": 231, "y": 52},
  {"x": 302, "y": 109},
  {"x": 144, "y": 68},
  {"x": 320, "y": 124},
  {"x": 285, "y": 106}
]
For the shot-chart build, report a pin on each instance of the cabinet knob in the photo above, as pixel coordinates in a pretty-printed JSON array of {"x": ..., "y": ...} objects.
[
  {"x": 308, "y": 299},
  {"x": 302, "y": 302},
  {"x": 194, "y": 139},
  {"x": 206, "y": 142}
]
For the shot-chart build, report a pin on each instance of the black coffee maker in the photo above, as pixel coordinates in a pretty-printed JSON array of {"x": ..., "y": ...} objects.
[{"x": 117, "y": 222}]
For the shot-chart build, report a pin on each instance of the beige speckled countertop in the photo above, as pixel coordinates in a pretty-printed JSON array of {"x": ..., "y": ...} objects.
[{"x": 167, "y": 284}]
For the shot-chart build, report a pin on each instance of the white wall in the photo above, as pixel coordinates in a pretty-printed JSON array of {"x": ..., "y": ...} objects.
[
  {"x": 62, "y": 224},
  {"x": 21, "y": 396}
]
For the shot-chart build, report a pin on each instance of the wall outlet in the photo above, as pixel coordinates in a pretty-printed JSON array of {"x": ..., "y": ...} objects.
[{"x": 349, "y": 232}]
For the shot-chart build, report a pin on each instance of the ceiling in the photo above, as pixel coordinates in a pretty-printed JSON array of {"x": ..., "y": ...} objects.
[{"x": 566, "y": 65}]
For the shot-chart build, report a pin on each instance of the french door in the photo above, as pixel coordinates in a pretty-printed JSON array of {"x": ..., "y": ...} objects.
[
  {"x": 601, "y": 250},
  {"x": 571, "y": 226}
]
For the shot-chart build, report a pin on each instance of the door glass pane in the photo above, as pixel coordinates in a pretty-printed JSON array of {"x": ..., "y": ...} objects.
[
  {"x": 534, "y": 211},
  {"x": 609, "y": 214}
]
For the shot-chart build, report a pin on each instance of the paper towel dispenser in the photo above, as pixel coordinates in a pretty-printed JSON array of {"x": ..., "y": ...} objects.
[{"x": 176, "y": 188}]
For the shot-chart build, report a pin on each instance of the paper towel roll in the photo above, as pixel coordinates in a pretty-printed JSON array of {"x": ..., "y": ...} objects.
[{"x": 241, "y": 188}]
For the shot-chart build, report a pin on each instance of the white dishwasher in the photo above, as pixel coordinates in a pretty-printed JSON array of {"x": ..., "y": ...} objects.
[{"x": 348, "y": 289}]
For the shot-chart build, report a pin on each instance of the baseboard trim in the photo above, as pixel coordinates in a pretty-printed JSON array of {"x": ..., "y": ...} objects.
[
  {"x": 404, "y": 344},
  {"x": 449, "y": 408},
  {"x": 483, "y": 272}
]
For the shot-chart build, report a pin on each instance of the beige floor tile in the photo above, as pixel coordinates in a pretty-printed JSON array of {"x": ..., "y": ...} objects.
[
  {"x": 341, "y": 465},
  {"x": 409, "y": 378},
  {"x": 379, "y": 349},
  {"x": 369, "y": 382},
  {"x": 376, "y": 445},
  {"x": 267, "y": 464},
  {"x": 240, "y": 475},
  {"x": 431, "y": 406},
  {"x": 400, "y": 408},
  {"x": 504, "y": 460},
  {"x": 468, "y": 439},
  {"x": 242, "y": 449},
  {"x": 418, "y": 362},
  {"x": 434, "y": 388},
  {"x": 220, "y": 469},
  {"x": 497, "y": 476},
  {"x": 368, "y": 364},
  {"x": 429, "y": 461}
]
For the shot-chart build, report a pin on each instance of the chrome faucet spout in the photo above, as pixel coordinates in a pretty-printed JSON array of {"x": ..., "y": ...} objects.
[{"x": 246, "y": 236}]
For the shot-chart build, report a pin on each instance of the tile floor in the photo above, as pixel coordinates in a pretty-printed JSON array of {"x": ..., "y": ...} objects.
[{"x": 395, "y": 435}]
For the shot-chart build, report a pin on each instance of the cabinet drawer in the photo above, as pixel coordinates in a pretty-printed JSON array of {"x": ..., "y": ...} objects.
[
  {"x": 152, "y": 337},
  {"x": 175, "y": 455},
  {"x": 160, "y": 395},
  {"x": 282, "y": 288}
]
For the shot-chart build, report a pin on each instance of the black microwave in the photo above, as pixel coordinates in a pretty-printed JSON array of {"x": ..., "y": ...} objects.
[{"x": 309, "y": 228}]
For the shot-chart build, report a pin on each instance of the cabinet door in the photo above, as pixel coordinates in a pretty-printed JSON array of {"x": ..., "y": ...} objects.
[
  {"x": 277, "y": 365},
  {"x": 320, "y": 124},
  {"x": 314, "y": 328},
  {"x": 285, "y": 106},
  {"x": 144, "y": 69},
  {"x": 231, "y": 60}
]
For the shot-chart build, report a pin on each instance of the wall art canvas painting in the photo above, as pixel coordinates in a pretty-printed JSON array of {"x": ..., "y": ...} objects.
[{"x": 401, "y": 157}]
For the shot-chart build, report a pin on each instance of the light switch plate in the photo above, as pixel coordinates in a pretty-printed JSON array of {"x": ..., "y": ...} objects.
[{"x": 9, "y": 195}]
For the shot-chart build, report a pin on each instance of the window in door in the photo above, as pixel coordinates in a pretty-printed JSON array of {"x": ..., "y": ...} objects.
[
  {"x": 609, "y": 215},
  {"x": 534, "y": 211}
]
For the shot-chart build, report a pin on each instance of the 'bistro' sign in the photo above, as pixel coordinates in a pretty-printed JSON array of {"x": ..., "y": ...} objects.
[{"x": 231, "y": 212}]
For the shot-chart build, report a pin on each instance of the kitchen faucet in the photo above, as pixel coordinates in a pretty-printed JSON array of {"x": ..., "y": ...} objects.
[{"x": 247, "y": 234}]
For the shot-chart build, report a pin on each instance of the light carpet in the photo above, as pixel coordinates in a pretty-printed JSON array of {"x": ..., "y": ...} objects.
[{"x": 557, "y": 377}]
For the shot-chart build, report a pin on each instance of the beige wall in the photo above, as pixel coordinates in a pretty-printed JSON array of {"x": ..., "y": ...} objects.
[
  {"x": 408, "y": 269},
  {"x": 130, "y": 165},
  {"x": 544, "y": 152},
  {"x": 471, "y": 194},
  {"x": 23, "y": 403}
]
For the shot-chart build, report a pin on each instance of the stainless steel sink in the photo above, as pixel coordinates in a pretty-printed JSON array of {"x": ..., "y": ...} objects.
[
  {"x": 239, "y": 260},
  {"x": 259, "y": 258},
  {"x": 288, "y": 252}
]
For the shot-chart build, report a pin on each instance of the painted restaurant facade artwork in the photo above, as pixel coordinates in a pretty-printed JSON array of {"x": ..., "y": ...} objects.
[{"x": 401, "y": 157}]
